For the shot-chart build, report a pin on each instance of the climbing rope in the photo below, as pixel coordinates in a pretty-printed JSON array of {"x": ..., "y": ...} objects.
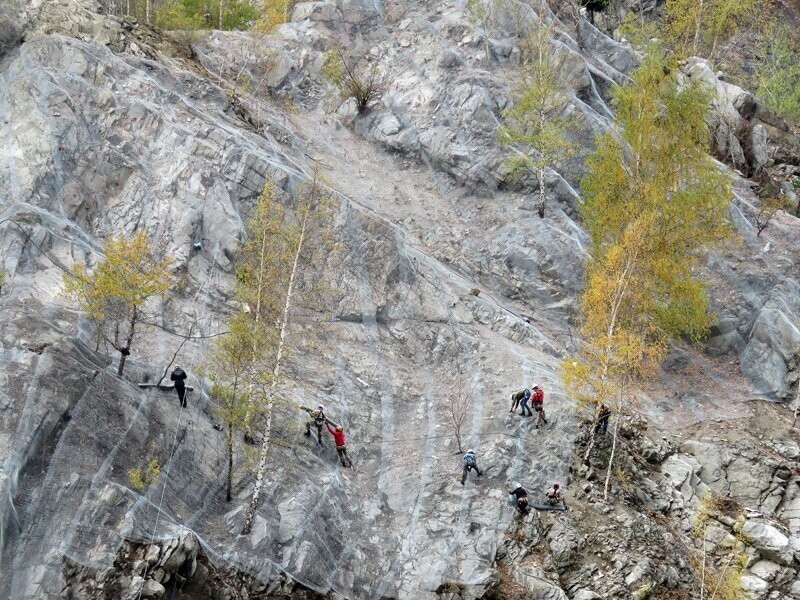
[{"x": 163, "y": 490}]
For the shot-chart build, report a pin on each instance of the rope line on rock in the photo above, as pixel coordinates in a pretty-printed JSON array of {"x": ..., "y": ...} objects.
[
  {"x": 163, "y": 489},
  {"x": 447, "y": 435}
]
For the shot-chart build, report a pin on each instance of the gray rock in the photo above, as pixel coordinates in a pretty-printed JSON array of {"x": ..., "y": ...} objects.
[
  {"x": 679, "y": 469},
  {"x": 773, "y": 342},
  {"x": 538, "y": 585},
  {"x": 759, "y": 148},
  {"x": 324, "y": 12},
  {"x": 615, "y": 54},
  {"x": 765, "y": 569},
  {"x": 639, "y": 572},
  {"x": 770, "y": 542},
  {"x": 563, "y": 545},
  {"x": 755, "y": 587}
]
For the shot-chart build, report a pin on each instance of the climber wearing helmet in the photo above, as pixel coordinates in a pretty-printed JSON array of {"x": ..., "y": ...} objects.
[
  {"x": 318, "y": 419},
  {"x": 521, "y": 494},
  {"x": 341, "y": 446},
  {"x": 554, "y": 495},
  {"x": 470, "y": 462}
]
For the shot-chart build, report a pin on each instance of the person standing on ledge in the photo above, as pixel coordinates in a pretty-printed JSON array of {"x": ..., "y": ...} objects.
[{"x": 179, "y": 377}]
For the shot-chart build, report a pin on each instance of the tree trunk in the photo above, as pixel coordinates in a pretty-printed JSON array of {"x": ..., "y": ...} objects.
[
  {"x": 697, "y": 25},
  {"x": 590, "y": 445},
  {"x": 124, "y": 352},
  {"x": 703, "y": 569},
  {"x": 262, "y": 258},
  {"x": 221, "y": 2},
  {"x": 540, "y": 176},
  {"x": 262, "y": 460},
  {"x": 230, "y": 463},
  {"x": 611, "y": 459},
  {"x": 147, "y": 10}
]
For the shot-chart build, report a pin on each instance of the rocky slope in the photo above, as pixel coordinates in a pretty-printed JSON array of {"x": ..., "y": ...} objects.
[{"x": 109, "y": 127}]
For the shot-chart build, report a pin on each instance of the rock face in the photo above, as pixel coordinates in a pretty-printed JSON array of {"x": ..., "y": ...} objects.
[{"x": 447, "y": 286}]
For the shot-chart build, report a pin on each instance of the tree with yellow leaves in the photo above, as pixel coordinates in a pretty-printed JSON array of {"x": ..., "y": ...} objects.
[
  {"x": 653, "y": 200},
  {"x": 231, "y": 366},
  {"x": 698, "y": 26},
  {"x": 281, "y": 246},
  {"x": 117, "y": 293}
]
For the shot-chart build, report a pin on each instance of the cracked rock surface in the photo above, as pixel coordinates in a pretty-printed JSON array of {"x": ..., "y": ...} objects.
[{"x": 447, "y": 285}]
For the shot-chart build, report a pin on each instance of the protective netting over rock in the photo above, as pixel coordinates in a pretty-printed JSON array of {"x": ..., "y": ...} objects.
[{"x": 449, "y": 288}]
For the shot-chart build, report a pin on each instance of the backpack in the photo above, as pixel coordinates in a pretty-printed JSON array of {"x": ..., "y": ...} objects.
[
  {"x": 538, "y": 395},
  {"x": 526, "y": 393},
  {"x": 469, "y": 459}
]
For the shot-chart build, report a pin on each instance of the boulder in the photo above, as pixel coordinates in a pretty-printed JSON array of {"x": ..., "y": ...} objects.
[
  {"x": 678, "y": 471},
  {"x": 535, "y": 581},
  {"x": 773, "y": 341},
  {"x": 765, "y": 569},
  {"x": 754, "y": 586},
  {"x": 769, "y": 541},
  {"x": 563, "y": 544}
]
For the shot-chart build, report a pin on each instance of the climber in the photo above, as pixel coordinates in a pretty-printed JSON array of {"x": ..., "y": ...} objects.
[
  {"x": 341, "y": 446},
  {"x": 317, "y": 419},
  {"x": 522, "y": 498},
  {"x": 521, "y": 399},
  {"x": 554, "y": 495},
  {"x": 470, "y": 462},
  {"x": 538, "y": 405},
  {"x": 179, "y": 376},
  {"x": 602, "y": 419}
]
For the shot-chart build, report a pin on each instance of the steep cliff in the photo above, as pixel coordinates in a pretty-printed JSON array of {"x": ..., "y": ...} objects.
[{"x": 447, "y": 284}]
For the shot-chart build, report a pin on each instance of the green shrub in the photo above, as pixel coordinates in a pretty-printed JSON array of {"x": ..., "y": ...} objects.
[
  {"x": 201, "y": 14},
  {"x": 139, "y": 479},
  {"x": 779, "y": 77}
]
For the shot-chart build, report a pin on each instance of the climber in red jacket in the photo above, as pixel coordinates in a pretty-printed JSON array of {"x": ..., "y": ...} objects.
[
  {"x": 538, "y": 405},
  {"x": 341, "y": 446}
]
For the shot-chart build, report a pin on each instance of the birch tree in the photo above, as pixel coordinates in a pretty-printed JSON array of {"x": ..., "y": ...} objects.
[
  {"x": 535, "y": 126},
  {"x": 653, "y": 200},
  {"x": 118, "y": 293},
  {"x": 230, "y": 368},
  {"x": 297, "y": 235}
]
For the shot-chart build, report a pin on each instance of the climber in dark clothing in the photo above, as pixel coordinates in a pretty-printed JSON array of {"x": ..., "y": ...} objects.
[
  {"x": 470, "y": 462},
  {"x": 179, "y": 377},
  {"x": 521, "y": 495},
  {"x": 318, "y": 419},
  {"x": 521, "y": 398},
  {"x": 602, "y": 419}
]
